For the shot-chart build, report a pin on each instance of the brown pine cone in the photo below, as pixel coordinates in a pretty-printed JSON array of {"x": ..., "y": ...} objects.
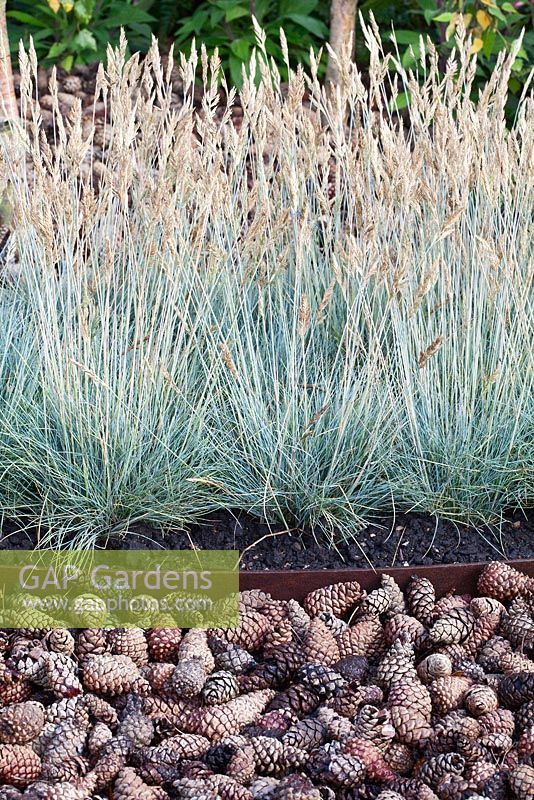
[
  {"x": 376, "y": 602},
  {"x": 135, "y": 727},
  {"x": 492, "y": 652},
  {"x": 345, "y": 770},
  {"x": 457, "y": 722},
  {"x": 227, "y": 788},
  {"x": 452, "y": 628},
  {"x": 334, "y": 624},
  {"x": 435, "y": 665},
  {"x": 518, "y": 629},
  {"x": 353, "y": 669},
  {"x": 319, "y": 645},
  {"x": 434, "y": 769},
  {"x": 525, "y": 746},
  {"x": 421, "y": 599},
  {"x": 275, "y": 611},
  {"x": 63, "y": 747},
  {"x": 194, "y": 644},
  {"x": 337, "y": 598},
  {"x": 485, "y": 626},
  {"x": 21, "y": 722},
  {"x": 297, "y": 698},
  {"x": 365, "y": 638},
  {"x": 287, "y": 657},
  {"x": 397, "y": 664},
  {"x": 188, "y": 677},
  {"x": 281, "y": 633},
  {"x": 163, "y": 644},
  {"x": 499, "y": 721},
  {"x": 411, "y": 727},
  {"x": 219, "y": 688},
  {"x": 450, "y": 601},
  {"x": 479, "y": 772},
  {"x": 61, "y": 640},
  {"x": 376, "y": 766},
  {"x": 293, "y": 787},
  {"x": 413, "y": 789},
  {"x": 298, "y": 618},
  {"x": 98, "y": 736},
  {"x": 522, "y": 782},
  {"x": 485, "y": 605},
  {"x": 19, "y": 765},
  {"x": 374, "y": 724},
  {"x": 215, "y": 722},
  {"x": 129, "y": 642},
  {"x": 112, "y": 675},
  {"x": 305, "y": 734},
  {"x": 159, "y": 675},
  {"x": 480, "y": 700},
  {"x": 110, "y": 761},
  {"x": 324, "y": 681},
  {"x": 398, "y": 604},
  {"x": 91, "y": 641},
  {"x": 503, "y": 582},
  {"x": 411, "y": 694},
  {"x": 277, "y": 722},
  {"x": 402, "y": 625},
  {"x": 336, "y": 726},
  {"x": 129, "y": 786},
  {"x": 448, "y": 693},
  {"x": 516, "y": 689},
  {"x": 400, "y": 758},
  {"x": 250, "y": 632},
  {"x": 231, "y": 658}
]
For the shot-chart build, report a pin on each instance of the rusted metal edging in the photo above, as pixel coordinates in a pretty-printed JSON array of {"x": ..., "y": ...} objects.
[{"x": 287, "y": 584}]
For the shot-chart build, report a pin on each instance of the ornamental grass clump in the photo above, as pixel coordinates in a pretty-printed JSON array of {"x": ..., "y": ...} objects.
[{"x": 316, "y": 311}]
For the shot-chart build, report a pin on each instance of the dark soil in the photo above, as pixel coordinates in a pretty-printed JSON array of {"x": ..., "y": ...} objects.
[{"x": 406, "y": 540}]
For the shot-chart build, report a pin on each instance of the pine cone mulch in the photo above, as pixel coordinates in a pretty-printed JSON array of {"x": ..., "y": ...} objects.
[{"x": 385, "y": 695}]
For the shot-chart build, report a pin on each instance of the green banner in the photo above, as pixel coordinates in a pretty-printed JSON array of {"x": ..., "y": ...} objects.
[{"x": 119, "y": 588}]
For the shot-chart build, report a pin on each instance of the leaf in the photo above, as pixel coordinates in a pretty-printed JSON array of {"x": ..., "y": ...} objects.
[
  {"x": 296, "y": 7},
  {"x": 483, "y": 19},
  {"x": 67, "y": 63},
  {"x": 56, "y": 50},
  {"x": 497, "y": 13},
  {"x": 236, "y": 13},
  {"x": 240, "y": 48},
  {"x": 477, "y": 45},
  {"x": 405, "y": 37},
  {"x": 489, "y": 41},
  {"x": 54, "y": 5},
  {"x": 315, "y": 26},
  {"x": 446, "y": 16},
  {"x": 83, "y": 10},
  {"x": 84, "y": 40},
  {"x": 21, "y": 16},
  {"x": 401, "y": 101},
  {"x": 235, "y": 70},
  {"x": 451, "y": 27},
  {"x": 124, "y": 18}
]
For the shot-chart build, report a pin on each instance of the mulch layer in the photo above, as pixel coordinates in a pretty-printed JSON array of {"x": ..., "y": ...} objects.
[{"x": 406, "y": 540}]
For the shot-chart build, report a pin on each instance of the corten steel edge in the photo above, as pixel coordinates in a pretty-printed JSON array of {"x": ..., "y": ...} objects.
[{"x": 287, "y": 584}]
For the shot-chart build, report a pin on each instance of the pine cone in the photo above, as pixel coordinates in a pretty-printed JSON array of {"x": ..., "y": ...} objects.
[
  {"x": 413, "y": 695},
  {"x": 91, "y": 641},
  {"x": 411, "y": 727},
  {"x": 336, "y": 726},
  {"x": 400, "y": 758},
  {"x": 64, "y": 746},
  {"x": 320, "y": 646},
  {"x": 21, "y": 722},
  {"x": 129, "y": 786},
  {"x": 111, "y": 760},
  {"x": 231, "y": 658},
  {"x": 334, "y": 624},
  {"x": 374, "y": 724},
  {"x": 525, "y": 746},
  {"x": 365, "y": 638},
  {"x": 250, "y": 632},
  {"x": 135, "y": 727},
  {"x": 377, "y": 602},
  {"x": 480, "y": 700},
  {"x": 219, "y": 688},
  {"x": 503, "y": 582},
  {"x": 516, "y": 689},
  {"x": 518, "y": 629},
  {"x": 436, "y": 768},
  {"x": 188, "y": 677},
  {"x": 337, "y": 598},
  {"x": 325, "y": 682},
  {"x": 215, "y": 722},
  {"x": 19, "y": 765},
  {"x": 297, "y": 698},
  {"x": 377, "y": 768},
  {"x": 453, "y": 628},
  {"x": 129, "y": 642},
  {"x": 398, "y": 604},
  {"x": 486, "y": 625},
  {"x": 485, "y": 605},
  {"x": 61, "y": 640},
  {"x": 448, "y": 693},
  {"x": 421, "y": 599},
  {"x": 450, "y": 601},
  {"x": 352, "y": 668},
  {"x": 294, "y": 787},
  {"x": 194, "y": 644},
  {"x": 499, "y": 721},
  {"x": 305, "y": 734},
  {"x": 163, "y": 644},
  {"x": 436, "y": 665},
  {"x": 99, "y": 735},
  {"x": 345, "y": 770},
  {"x": 522, "y": 782},
  {"x": 402, "y": 625},
  {"x": 112, "y": 675},
  {"x": 397, "y": 664}
]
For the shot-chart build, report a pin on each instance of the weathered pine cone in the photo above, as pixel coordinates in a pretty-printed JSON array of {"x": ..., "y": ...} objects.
[{"x": 336, "y": 599}]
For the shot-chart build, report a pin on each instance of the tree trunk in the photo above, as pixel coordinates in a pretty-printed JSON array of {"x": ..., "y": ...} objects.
[
  {"x": 342, "y": 27},
  {"x": 8, "y": 100}
]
